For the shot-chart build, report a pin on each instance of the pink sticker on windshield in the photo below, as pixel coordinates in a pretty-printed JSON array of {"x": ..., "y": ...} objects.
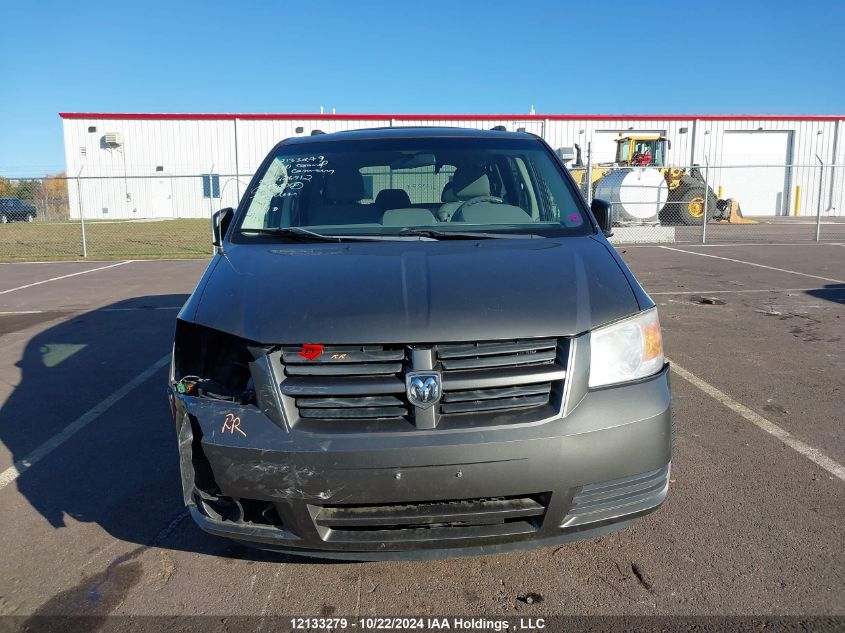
[{"x": 574, "y": 218}]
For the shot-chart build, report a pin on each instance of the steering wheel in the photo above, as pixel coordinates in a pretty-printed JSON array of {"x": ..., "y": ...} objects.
[{"x": 476, "y": 200}]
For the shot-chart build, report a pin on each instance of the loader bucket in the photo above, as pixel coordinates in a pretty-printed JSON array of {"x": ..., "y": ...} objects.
[{"x": 732, "y": 214}]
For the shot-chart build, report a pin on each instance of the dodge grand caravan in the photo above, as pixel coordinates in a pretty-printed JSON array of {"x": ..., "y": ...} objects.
[{"x": 418, "y": 342}]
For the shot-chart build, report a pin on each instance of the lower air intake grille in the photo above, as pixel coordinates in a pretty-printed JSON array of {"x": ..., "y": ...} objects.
[{"x": 422, "y": 521}]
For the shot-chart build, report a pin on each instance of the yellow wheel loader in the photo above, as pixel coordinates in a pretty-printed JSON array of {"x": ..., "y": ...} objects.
[{"x": 682, "y": 203}]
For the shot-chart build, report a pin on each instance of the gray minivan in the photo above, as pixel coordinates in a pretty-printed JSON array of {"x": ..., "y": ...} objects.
[{"x": 417, "y": 342}]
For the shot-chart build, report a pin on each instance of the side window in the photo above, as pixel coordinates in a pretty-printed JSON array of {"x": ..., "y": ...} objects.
[
  {"x": 525, "y": 190},
  {"x": 368, "y": 187},
  {"x": 210, "y": 186}
]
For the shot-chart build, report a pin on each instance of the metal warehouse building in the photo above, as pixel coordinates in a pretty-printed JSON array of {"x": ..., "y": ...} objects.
[{"x": 134, "y": 166}]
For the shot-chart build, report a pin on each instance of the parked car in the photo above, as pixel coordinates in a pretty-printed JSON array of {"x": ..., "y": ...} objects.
[
  {"x": 417, "y": 342},
  {"x": 16, "y": 210}
]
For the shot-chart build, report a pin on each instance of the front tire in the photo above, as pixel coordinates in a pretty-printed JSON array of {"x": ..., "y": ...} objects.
[
  {"x": 688, "y": 205},
  {"x": 4, "y": 219}
]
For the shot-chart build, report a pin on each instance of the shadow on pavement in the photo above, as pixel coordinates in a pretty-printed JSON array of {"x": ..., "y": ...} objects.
[
  {"x": 121, "y": 470},
  {"x": 830, "y": 292}
]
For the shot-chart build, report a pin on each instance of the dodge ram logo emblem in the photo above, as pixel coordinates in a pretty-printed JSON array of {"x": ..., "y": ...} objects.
[{"x": 423, "y": 388}]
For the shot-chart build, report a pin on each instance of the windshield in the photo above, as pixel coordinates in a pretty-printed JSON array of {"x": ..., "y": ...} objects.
[{"x": 394, "y": 186}]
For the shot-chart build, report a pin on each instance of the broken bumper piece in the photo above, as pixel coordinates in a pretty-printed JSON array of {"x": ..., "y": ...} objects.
[{"x": 422, "y": 494}]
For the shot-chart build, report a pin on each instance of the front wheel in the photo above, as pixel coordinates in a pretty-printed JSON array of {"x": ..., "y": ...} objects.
[
  {"x": 3, "y": 219},
  {"x": 30, "y": 218},
  {"x": 688, "y": 205}
]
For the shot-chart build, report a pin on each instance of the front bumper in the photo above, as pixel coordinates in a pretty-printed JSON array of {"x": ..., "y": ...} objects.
[{"x": 427, "y": 493}]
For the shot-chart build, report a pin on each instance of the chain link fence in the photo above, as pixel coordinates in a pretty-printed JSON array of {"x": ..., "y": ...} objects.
[
  {"x": 162, "y": 215},
  {"x": 720, "y": 203},
  {"x": 158, "y": 216}
]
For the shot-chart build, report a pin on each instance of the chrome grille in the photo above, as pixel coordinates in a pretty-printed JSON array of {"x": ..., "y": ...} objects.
[
  {"x": 346, "y": 382},
  {"x": 499, "y": 375},
  {"x": 507, "y": 381}
]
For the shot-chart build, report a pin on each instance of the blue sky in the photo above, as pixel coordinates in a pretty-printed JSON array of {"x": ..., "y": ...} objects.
[{"x": 425, "y": 57}]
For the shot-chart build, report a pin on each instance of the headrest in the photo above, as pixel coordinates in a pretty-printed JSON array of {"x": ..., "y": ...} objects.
[
  {"x": 470, "y": 182},
  {"x": 448, "y": 194},
  {"x": 393, "y": 199},
  {"x": 408, "y": 217},
  {"x": 345, "y": 185}
]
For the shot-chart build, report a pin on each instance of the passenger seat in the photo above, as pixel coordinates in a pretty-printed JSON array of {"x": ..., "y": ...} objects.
[{"x": 343, "y": 191}]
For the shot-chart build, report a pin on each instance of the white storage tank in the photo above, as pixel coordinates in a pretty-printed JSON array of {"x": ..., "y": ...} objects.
[{"x": 637, "y": 194}]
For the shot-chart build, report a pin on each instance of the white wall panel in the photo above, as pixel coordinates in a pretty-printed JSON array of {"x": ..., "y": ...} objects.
[{"x": 187, "y": 148}]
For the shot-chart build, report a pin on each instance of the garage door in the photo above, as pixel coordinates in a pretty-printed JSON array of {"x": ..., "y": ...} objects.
[{"x": 759, "y": 190}]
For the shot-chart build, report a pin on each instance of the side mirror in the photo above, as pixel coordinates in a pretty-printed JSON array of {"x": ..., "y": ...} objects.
[
  {"x": 602, "y": 212},
  {"x": 220, "y": 222}
]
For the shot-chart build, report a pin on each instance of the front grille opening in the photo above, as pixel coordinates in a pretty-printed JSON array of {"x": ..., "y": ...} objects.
[
  {"x": 495, "y": 399},
  {"x": 354, "y": 388},
  {"x": 345, "y": 360},
  {"x": 434, "y": 515},
  {"x": 347, "y": 382},
  {"x": 497, "y": 354},
  {"x": 501, "y": 376}
]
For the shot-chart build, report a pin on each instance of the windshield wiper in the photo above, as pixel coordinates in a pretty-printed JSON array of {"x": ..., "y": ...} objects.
[
  {"x": 466, "y": 235},
  {"x": 298, "y": 232}
]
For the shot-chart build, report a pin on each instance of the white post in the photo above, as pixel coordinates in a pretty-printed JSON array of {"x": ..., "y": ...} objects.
[
  {"x": 589, "y": 175},
  {"x": 211, "y": 205},
  {"x": 706, "y": 196},
  {"x": 819, "y": 205},
  {"x": 81, "y": 213}
]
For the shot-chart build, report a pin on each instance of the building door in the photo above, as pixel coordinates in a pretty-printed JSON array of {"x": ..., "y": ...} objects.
[
  {"x": 759, "y": 190},
  {"x": 161, "y": 198}
]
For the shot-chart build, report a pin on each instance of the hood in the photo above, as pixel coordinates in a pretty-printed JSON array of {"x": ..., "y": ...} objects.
[{"x": 414, "y": 291}]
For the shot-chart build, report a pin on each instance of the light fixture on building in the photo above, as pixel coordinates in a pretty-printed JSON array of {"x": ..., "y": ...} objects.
[
  {"x": 300, "y": 130},
  {"x": 159, "y": 167},
  {"x": 682, "y": 130},
  {"x": 92, "y": 129}
]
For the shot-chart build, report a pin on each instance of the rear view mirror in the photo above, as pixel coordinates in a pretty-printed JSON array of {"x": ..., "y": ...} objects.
[
  {"x": 602, "y": 212},
  {"x": 220, "y": 222}
]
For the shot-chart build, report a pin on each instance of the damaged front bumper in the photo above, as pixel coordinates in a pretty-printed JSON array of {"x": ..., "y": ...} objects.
[{"x": 426, "y": 493}]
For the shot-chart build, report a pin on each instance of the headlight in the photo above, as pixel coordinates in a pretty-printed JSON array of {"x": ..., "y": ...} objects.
[{"x": 626, "y": 350}]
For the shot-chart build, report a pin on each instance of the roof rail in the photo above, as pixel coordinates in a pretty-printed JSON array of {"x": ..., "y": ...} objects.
[
  {"x": 499, "y": 128},
  {"x": 316, "y": 132}
]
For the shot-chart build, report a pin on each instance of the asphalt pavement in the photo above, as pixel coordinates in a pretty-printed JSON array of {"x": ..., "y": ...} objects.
[{"x": 94, "y": 524}]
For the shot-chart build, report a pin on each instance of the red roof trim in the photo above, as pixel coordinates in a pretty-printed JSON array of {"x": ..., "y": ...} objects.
[{"x": 455, "y": 117}]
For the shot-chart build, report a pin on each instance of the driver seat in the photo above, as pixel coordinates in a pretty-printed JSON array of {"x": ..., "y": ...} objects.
[{"x": 467, "y": 183}]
